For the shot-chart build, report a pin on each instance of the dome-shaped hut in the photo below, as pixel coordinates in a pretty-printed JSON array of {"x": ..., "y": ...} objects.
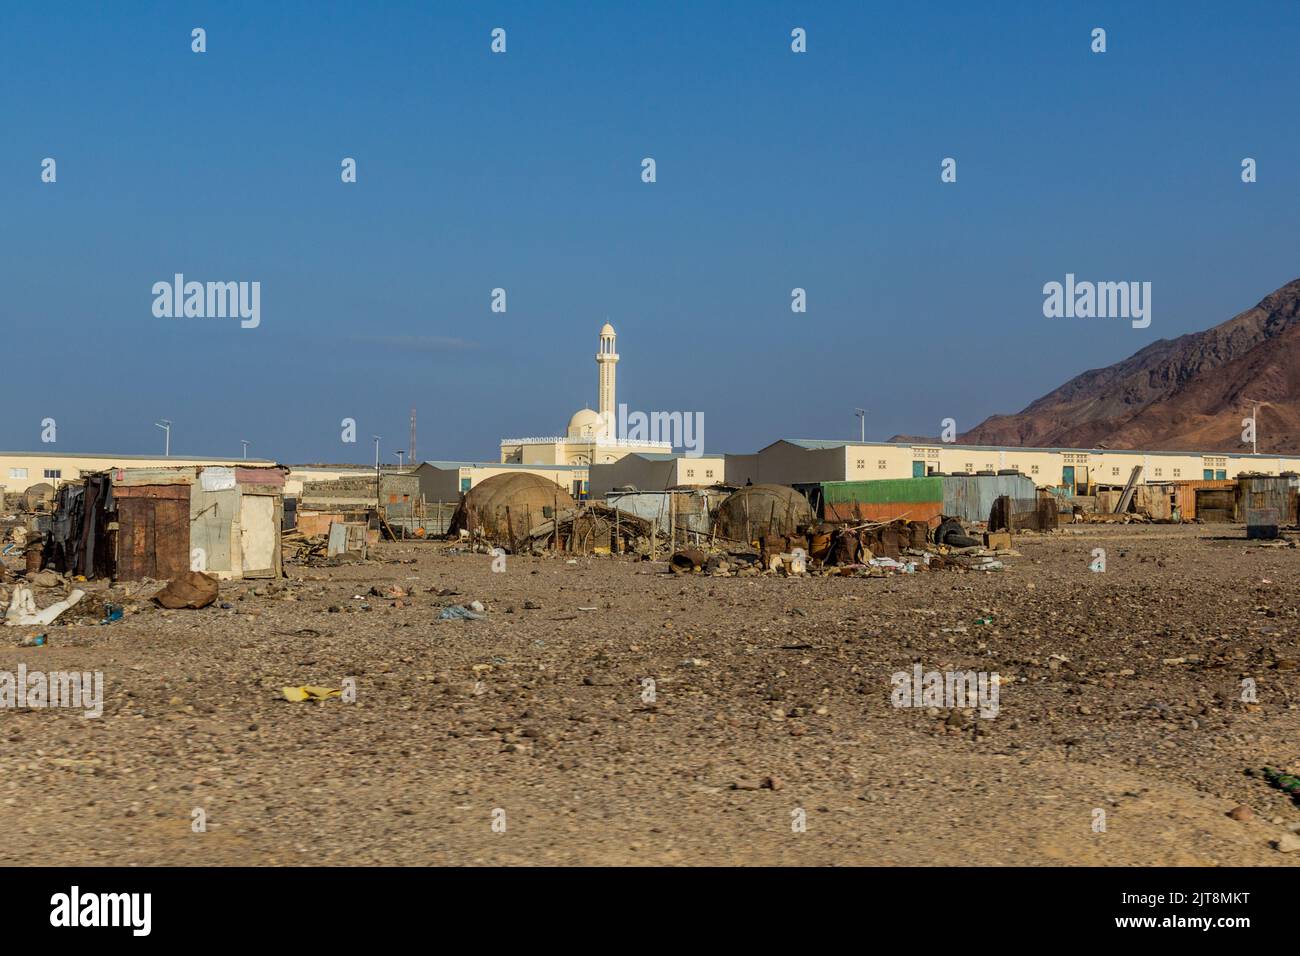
[
  {"x": 508, "y": 506},
  {"x": 758, "y": 511}
]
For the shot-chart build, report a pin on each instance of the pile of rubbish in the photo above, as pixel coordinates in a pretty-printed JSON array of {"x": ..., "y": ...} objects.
[
  {"x": 593, "y": 529},
  {"x": 302, "y": 549},
  {"x": 872, "y": 549}
]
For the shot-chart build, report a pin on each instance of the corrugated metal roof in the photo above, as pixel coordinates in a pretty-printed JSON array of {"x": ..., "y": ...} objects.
[{"x": 883, "y": 490}]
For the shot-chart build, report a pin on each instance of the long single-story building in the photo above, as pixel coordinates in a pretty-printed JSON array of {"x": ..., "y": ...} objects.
[
  {"x": 1076, "y": 470},
  {"x": 657, "y": 471},
  {"x": 19, "y": 470}
]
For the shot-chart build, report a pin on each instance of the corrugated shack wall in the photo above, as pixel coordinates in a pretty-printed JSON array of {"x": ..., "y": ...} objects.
[
  {"x": 1185, "y": 493},
  {"x": 971, "y": 497},
  {"x": 213, "y": 519},
  {"x": 1266, "y": 503},
  {"x": 1153, "y": 501},
  {"x": 916, "y": 499},
  {"x": 693, "y": 509},
  {"x": 398, "y": 493}
]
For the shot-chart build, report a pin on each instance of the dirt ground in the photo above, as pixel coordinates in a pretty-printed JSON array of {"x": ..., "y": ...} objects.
[{"x": 530, "y": 738}]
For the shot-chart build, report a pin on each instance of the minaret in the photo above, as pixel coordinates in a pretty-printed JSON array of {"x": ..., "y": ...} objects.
[{"x": 606, "y": 359}]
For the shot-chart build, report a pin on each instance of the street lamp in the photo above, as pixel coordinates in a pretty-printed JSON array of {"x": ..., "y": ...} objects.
[
  {"x": 245, "y": 444},
  {"x": 399, "y": 453},
  {"x": 1255, "y": 405},
  {"x": 862, "y": 414},
  {"x": 166, "y": 426}
]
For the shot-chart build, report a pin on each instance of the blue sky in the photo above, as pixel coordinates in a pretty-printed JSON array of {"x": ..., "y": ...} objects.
[{"x": 522, "y": 171}]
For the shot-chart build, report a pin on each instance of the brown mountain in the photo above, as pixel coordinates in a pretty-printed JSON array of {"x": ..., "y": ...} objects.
[{"x": 1189, "y": 393}]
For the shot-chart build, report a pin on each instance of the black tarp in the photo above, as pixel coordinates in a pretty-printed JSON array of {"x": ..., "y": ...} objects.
[{"x": 79, "y": 540}]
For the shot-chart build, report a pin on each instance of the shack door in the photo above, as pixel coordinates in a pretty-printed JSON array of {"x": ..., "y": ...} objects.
[
  {"x": 1067, "y": 477},
  {"x": 153, "y": 537},
  {"x": 918, "y": 469},
  {"x": 1215, "y": 506},
  {"x": 257, "y": 533}
]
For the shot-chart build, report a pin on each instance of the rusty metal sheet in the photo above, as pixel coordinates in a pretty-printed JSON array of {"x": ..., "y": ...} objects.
[
  {"x": 1216, "y": 506},
  {"x": 181, "y": 492},
  {"x": 855, "y": 511},
  {"x": 260, "y": 476},
  {"x": 153, "y": 538}
]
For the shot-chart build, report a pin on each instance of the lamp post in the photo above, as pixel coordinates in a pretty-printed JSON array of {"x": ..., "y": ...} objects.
[
  {"x": 862, "y": 415},
  {"x": 166, "y": 426},
  {"x": 245, "y": 444}
]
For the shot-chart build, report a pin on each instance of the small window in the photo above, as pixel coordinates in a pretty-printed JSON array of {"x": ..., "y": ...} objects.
[
  {"x": 53, "y": 472},
  {"x": 1178, "y": 473},
  {"x": 17, "y": 472},
  {"x": 690, "y": 472},
  {"x": 862, "y": 463},
  {"x": 708, "y": 473},
  {"x": 1114, "y": 471},
  {"x": 1159, "y": 472},
  {"x": 970, "y": 467},
  {"x": 880, "y": 463},
  {"x": 1033, "y": 469}
]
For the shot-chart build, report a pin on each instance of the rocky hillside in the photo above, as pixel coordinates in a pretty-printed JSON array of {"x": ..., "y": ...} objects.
[{"x": 1185, "y": 393}]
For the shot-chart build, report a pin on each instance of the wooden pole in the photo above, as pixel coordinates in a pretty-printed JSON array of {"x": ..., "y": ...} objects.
[{"x": 654, "y": 526}]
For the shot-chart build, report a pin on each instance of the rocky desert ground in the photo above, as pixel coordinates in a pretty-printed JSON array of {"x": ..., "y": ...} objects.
[{"x": 768, "y": 736}]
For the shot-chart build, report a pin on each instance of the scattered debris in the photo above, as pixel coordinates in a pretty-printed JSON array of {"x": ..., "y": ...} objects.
[
  {"x": 23, "y": 611},
  {"x": 310, "y": 692},
  {"x": 458, "y": 612},
  {"x": 192, "y": 590}
]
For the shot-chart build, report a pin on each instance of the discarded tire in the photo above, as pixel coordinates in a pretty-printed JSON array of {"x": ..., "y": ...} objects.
[{"x": 948, "y": 526}]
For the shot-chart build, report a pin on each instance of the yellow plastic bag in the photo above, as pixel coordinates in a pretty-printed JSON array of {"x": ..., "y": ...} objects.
[{"x": 308, "y": 692}]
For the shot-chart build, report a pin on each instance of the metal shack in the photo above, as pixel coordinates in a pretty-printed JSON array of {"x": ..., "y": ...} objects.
[
  {"x": 223, "y": 521},
  {"x": 690, "y": 509},
  {"x": 1205, "y": 498},
  {"x": 355, "y": 499},
  {"x": 916, "y": 499},
  {"x": 138, "y": 523},
  {"x": 1266, "y": 503},
  {"x": 969, "y": 497}
]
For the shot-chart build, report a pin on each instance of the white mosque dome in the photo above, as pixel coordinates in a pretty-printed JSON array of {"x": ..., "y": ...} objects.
[
  {"x": 586, "y": 423},
  {"x": 607, "y": 329}
]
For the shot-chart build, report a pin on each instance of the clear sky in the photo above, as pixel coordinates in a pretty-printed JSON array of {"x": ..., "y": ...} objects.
[{"x": 476, "y": 170}]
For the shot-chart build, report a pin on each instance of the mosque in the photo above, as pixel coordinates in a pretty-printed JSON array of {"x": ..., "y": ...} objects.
[{"x": 590, "y": 438}]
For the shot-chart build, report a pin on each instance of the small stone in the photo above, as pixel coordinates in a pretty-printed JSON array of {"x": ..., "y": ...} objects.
[
  {"x": 1289, "y": 843},
  {"x": 1241, "y": 813}
]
